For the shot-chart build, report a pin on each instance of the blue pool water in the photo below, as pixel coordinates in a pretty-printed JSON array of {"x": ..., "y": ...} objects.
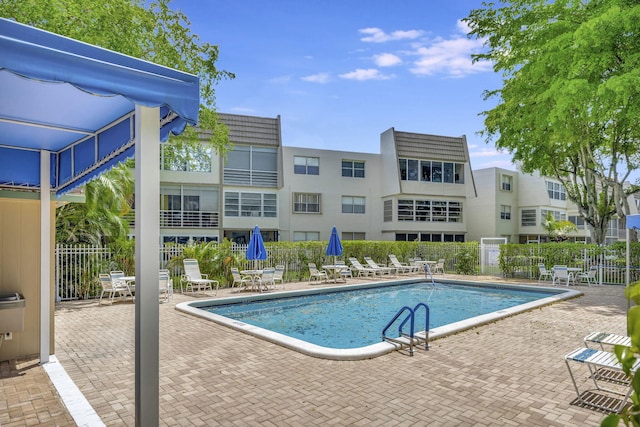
[{"x": 355, "y": 318}]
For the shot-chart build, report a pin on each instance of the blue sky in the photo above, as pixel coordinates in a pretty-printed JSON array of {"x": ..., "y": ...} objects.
[{"x": 341, "y": 72}]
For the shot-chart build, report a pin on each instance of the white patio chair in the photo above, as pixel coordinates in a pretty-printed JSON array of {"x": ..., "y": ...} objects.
[
  {"x": 315, "y": 274},
  {"x": 265, "y": 282},
  {"x": 438, "y": 267},
  {"x": 239, "y": 279},
  {"x": 196, "y": 281},
  {"x": 345, "y": 272},
  {"x": 112, "y": 288},
  {"x": 588, "y": 276},
  {"x": 544, "y": 273},
  {"x": 561, "y": 274},
  {"x": 165, "y": 285},
  {"x": 278, "y": 276}
]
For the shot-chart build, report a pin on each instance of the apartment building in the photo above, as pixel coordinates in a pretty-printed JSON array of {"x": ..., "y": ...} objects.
[
  {"x": 416, "y": 188},
  {"x": 514, "y": 205}
]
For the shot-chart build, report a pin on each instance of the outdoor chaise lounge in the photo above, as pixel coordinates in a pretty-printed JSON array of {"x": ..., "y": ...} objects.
[
  {"x": 378, "y": 268},
  {"x": 194, "y": 280},
  {"x": 601, "y": 361},
  {"x": 606, "y": 338},
  {"x": 400, "y": 267},
  {"x": 360, "y": 270}
]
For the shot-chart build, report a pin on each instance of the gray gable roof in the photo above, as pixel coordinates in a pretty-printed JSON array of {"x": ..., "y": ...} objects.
[
  {"x": 250, "y": 130},
  {"x": 432, "y": 147}
]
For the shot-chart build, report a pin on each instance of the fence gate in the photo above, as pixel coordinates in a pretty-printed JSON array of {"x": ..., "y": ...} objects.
[{"x": 490, "y": 255}]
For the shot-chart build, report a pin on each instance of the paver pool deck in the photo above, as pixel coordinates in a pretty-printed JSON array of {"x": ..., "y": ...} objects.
[{"x": 510, "y": 372}]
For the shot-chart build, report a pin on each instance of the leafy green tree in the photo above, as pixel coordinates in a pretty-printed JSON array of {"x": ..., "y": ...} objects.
[{"x": 569, "y": 101}]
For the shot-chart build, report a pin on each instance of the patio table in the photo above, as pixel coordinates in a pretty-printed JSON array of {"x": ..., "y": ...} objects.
[{"x": 335, "y": 270}]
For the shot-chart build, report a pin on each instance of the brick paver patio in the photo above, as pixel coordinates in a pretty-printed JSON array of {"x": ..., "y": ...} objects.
[{"x": 510, "y": 372}]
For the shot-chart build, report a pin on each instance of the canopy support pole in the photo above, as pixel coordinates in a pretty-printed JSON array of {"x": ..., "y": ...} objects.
[
  {"x": 147, "y": 199},
  {"x": 45, "y": 254}
]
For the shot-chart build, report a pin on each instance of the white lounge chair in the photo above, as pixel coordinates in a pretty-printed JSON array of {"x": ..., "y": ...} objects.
[
  {"x": 597, "y": 360},
  {"x": 589, "y": 276},
  {"x": 606, "y": 338},
  {"x": 315, "y": 274},
  {"x": 360, "y": 270},
  {"x": 378, "y": 268},
  {"x": 401, "y": 268},
  {"x": 194, "y": 280}
]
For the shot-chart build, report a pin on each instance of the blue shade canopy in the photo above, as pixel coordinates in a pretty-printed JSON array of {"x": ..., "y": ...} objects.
[
  {"x": 256, "y": 249},
  {"x": 77, "y": 102},
  {"x": 335, "y": 246}
]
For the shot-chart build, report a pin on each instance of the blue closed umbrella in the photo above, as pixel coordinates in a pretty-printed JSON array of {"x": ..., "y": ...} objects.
[
  {"x": 256, "y": 249},
  {"x": 335, "y": 247}
]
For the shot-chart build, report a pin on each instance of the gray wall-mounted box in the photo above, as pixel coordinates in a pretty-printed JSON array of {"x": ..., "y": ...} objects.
[{"x": 11, "y": 313}]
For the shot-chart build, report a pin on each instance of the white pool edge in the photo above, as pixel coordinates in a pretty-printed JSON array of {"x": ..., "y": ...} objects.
[{"x": 374, "y": 350}]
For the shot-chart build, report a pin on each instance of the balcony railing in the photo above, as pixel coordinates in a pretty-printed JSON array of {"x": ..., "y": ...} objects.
[{"x": 187, "y": 219}]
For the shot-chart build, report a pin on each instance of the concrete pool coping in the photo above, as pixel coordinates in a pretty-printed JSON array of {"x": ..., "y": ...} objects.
[{"x": 374, "y": 350}]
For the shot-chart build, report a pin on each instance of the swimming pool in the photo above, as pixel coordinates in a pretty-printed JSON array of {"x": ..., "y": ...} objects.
[{"x": 311, "y": 321}]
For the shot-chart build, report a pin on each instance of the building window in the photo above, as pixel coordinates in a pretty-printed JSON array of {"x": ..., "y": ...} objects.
[
  {"x": 506, "y": 182},
  {"x": 183, "y": 240},
  {"x": 528, "y": 218},
  {"x": 405, "y": 210},
  {"x": 349, "y": 235},
  {"x": 184, "y": 206},
  {"x": 557, "y": 215},
  {"x": 429, "y": 211},
  {"x": 255, "y": 166},
  {"x": 250, "y": 204},
  {"x": 304, "y": 236},
  {"x": 196, "y": 158},
  {"x": 353, "y": 204},
  {"x": 578, "y": 221},
  {"x": 353, "y": 168},
  {"x": 306, "y": 165},
  {"x": 556, "y": 191},
  {"x": 387, "y": 211},
  {"x": 306, "y": 203},
  {"x": 505, "y": 212},
  {"x": 406, "y": 237},
  {"x": 431, "y": 171}
]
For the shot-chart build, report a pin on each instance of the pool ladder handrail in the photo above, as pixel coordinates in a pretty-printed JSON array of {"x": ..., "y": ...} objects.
[{"x": 410, "y": 339}]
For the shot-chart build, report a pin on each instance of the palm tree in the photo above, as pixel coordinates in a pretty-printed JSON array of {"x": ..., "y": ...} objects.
[{"x": 100, "y": 219}]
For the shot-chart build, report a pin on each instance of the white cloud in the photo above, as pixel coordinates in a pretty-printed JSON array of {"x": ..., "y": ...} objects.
[
  {"x": 368, "y": 74},
  {"x": 317, "y": 78},
  {"x": 386, "y": 60},
  {"x": 450, "y": 56},
  {"x": 376, "y": 35}
]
